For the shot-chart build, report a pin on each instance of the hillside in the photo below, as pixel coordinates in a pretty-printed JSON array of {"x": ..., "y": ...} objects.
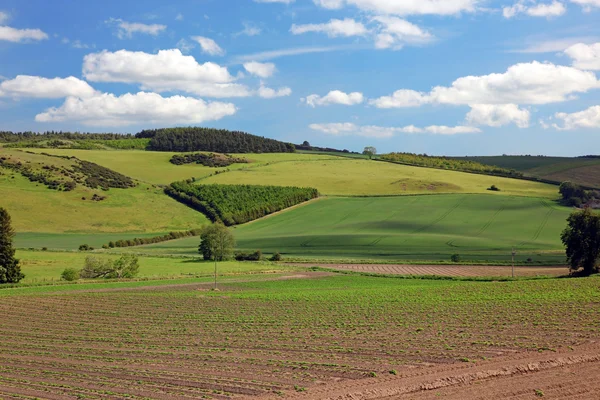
[{"x": 584, "y": 171}]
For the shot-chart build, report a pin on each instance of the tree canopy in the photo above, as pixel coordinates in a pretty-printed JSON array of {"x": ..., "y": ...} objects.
[
  {"x": 581, "y": 238},
  {"x": 10, "y": 271},
  {"x": 370, "y": 151},
  {"x": 216, "y": 243}
]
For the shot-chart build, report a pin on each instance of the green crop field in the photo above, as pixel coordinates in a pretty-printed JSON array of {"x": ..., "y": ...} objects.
[
  {"x": 411, "y": 228},
  {"x": 348, "y": 177}
]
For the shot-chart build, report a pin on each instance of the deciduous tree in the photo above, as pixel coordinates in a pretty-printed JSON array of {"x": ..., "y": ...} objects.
[
  {"x": 370, "y": 151},
  {"x": 581, "y": 238},
  {"x": 10, "y": 271}
]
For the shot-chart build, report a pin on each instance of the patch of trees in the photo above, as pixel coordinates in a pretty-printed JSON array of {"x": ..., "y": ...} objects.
[
  {"x": 237, "y": 204},
  {"x": 207, "y": 139},
  {"x": 256, "y": 256},
  {"x": 208, "y": 160},
  {"x": 97, "y": 176},
  {"x": 216, "y": 243},
  {"x": 10, "y": 270},
  {"x": 9, "y": 137},
  {"x": 574, "y": 195},
  {"x": 151, "y": 240},
  {"x": 423, "y": 160},
  {"x": 127, "y": 266},
  {"x": 44, "y": 178},
  {"x": 306, "y": 146},
  {"x": 581, "y": 238}
]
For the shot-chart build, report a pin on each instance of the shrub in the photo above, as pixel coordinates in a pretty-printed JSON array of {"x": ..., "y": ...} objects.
[
  {"x": 494, "y": 188},
  {"x": 275, "y": 257},
  {"x": 125, "y": 267},
  {"x": 85, "y": 247},
  {"x": 455, "y": 258},
  {"x": 69, "y": 275},
  {"x": 256, "y": 256}
]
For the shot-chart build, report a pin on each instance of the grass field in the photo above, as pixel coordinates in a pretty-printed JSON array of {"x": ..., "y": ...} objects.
[
  {"x": 348, "y": 177},
  {"x": 43, "y": 266},
  {"x": 276, "y": 337},
  {"x": 408, "y": 228},
  {"x": 584, "y": 171}
]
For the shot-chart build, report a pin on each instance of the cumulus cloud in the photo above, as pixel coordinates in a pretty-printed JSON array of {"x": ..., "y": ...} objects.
[
  {"x": 395, "y": 32},
  {"x": 44, "y": 88},
  {"x": 110, "y": 110},
  {"x": 21, "y": 35},
  {"x": 405, "y": 7},
  {"x": 585, "y": 56},
  {"x": 533, "y": 9},
  {"x": 527, "y": 83},
  {"x": 262, "y": 70},
  {"x": 209, "y": 46},
  {"x": 587, "y": 5},
  {"x": 373, "y": 131},
  {"x": 587, "y": 119},
  {"x": 168, "y": 70},
  {"x": 268, "y": 93},
  {"x": 128, "y": 29},
  {"x": 497, "y": 115},
  {"x": 334, "y": 28},
  {"x": 335, "y": 97}
]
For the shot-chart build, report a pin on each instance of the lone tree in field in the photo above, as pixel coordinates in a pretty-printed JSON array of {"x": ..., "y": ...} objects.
[
  {"x": 216, "y": 243},
  {"x": 10, "y": 271},
  {"x": 581, "y": 238},
  {"x": 370, "y": 151}
]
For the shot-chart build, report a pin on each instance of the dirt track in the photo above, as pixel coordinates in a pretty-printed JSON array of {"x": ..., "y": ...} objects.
[
  {"x": 447, "y": 270},
  {"x": 565, "y": 374}
]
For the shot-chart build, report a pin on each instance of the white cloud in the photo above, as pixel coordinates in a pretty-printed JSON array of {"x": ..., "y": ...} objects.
[
  {"x": 179, "y": 17},
  {"x": 269, "y": 55},
  {"x": 335, "y": 97},
  {"x": 127, "y": 29},
  {"x": 262, "y": 70},
  {"x": 405, "y": 7},
  {"x": 249, "y": 30},
  {"x": 21, "y": 35},
  {"x": 527, "y": 83},
  {"x": 553, "y": 45},
  {"x": 141, "y": 108},
  {"x": 497, "y": 115},
  {"x": 401, "y": 99},
  {"x": 209, "y": 46},
  {"x": 44, "y": 88},
  {"x": 372, "y": 131},
  {"x": 268, "y": 93},
  {"x": 3, "y": 17},
  {"x": 586, "y": 119},
  {"x": 585, "y": 56},
  {"x": 531, "y": 8},
  {"x": 168, "y": 70},
  {"x": 395, "y": 32},
  {"x": 587, "y": 5},
  {"x": 334, "y": 28},
  {"x": 185, "y": 46}
]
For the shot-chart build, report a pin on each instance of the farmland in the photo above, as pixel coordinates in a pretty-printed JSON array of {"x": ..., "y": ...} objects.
[
  {"x": 407, "y": 228},
  {"x": 280, "y": 337}
]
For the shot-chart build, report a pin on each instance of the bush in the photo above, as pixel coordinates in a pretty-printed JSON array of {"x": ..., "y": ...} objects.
[
  {"x": 85, "y": 247},
  {"x": 256, "y": 256},
  {"x": 69, "y": 275},
  {"x": 275, "y": 257},
  {"x": 125, "y": 267},
  {"x": 494, "y": 188},
  {"x": 455, "y": 258}
]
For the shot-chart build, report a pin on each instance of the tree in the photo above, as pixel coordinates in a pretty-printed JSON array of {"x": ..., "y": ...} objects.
[
  {"x": 125, "y": 267},
  {"x": 581, "y": 238},
  {"x": 370, "y": 151},
  {"x": 10, "y": 271},
  {"x": 216, "y": 243}
]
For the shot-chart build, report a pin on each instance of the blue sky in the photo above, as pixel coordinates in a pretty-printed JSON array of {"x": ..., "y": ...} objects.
[{"x": 454, "y": 77}]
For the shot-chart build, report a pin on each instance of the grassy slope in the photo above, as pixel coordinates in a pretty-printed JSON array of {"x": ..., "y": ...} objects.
[
  {"x": 581, "y": 170},
  {"x": 154, "y": 167},
  {"x": 417, "y": 228},
  {"x": 347, "y": 177}
]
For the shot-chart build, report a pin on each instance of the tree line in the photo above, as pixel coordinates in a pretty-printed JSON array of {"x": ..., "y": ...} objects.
[
  {"x": 29, "y": 136},
  {"x": 208, "y": 160},
  {"x": 237, "y": 204},
  {"x": 208, "y": 139},
  {"x": 423, "y": 160}
]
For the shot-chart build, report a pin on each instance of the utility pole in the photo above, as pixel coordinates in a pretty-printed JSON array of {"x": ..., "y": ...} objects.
[
  {"x": 215, "y": 273},
  {"x": 514, "y": 253}
]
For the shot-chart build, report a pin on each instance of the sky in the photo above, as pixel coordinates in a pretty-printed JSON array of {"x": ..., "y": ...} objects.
[{"x": 442, "y": 77}]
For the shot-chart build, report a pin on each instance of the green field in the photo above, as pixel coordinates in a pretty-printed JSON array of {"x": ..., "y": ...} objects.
[
  {"x": 348, "y": 177},
  {"x": 584, "y": 171},
  {"x": 411, "y": 228},
  {"x": 45, "y": 266}
]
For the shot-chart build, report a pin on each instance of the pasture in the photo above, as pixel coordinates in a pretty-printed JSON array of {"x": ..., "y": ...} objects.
[
  {"x": 275, "y": 335},
  {"x": 424, "y": 229}
]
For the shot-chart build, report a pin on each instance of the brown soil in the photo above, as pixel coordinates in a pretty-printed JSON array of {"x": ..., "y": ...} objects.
[
  {"x": 448, "y": 270},
  {"x": 565, "y": 374}
]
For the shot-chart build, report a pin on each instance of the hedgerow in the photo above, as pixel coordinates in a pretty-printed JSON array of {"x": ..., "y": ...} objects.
[
  {"x": 208, "y": 160},
  {"x": 237, "y": 204}
]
